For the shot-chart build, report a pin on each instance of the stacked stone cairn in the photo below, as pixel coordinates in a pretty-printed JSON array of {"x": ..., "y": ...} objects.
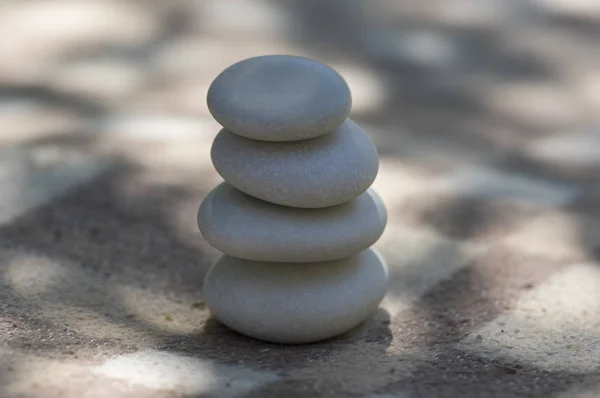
[{"x": 295, "y": 216}]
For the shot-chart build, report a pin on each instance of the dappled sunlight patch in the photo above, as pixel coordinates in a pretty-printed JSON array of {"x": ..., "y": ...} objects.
[
  {"x": 32, "y": 275},
  {"x": 258, "y": 18},
  {"x": 202, "y": 57},
  {"x": 34, "y": 176},
  {"x": 62, "y": 293},
  {"x": 433, "y": 141},
  {"x": 419, "y": 260},
  {"x": 397, "y": 179},
  {"x": 587, "y": 86},
  {"x": 460, "y": 14},
  {"x": 467, "y": 14},
  {"x": 557, "y": 234},
  {"x": 23, "y": 119},
  {"x": 570, "y": 147},
  {"x": 159, "y": 311},
  {"x": 160, "y": 370},
  {"x": 33, "y": 33},
  {"x": 483, "y": 182},
  {"x": 105, "y": 79},
  {"x": 369, "y": 93},
  {"x": 421, "y": 47},
  {"x": 159, "y": 141},
  {"x": 148, "y": 127},
  {"x": 587, "y": 9},
  {"x": 27, "y": 375},
  {"x": 536, "y": 104},
  {"x": 554, "y": 326}
]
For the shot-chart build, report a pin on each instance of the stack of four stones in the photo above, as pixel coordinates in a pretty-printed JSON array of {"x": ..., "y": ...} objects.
[{"x": 295, "y": 217}]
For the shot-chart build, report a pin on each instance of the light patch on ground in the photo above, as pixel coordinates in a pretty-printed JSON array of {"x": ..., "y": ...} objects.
[
  {"x": 369, "y": 93},
  {"x": 555, "y": 234},
  {"x": 33, "y": 34},
  {"x": 199, "y": 59},
  {"x": 185, "y": 375},
  {"x": 32, "y": 275},
  {"x": 577, "y": 8},
  {"x": 473, "y": 14},
  {"x": 153, "y": 127},
  {"x": 66, "y": 294},
  {"x": 418, "y": 260},
  {"x": 536, "y": 104},
  {"x": 579, "y": 148},
  {"x": 487, "y": 183},
  {"x": 160, "y": 141},
  {"x": 257, "y": 18},
  {"x": 423, "y": 47},
  {"x": 587, "y": 85},
  {"x": 90, "y": 21},
  {"x": 397, "y": 181},
  {"x": 31, "y": 119},
  {"x": 107, "y": 79},
  {"x": 159, "y": 311},
  {"x": 33, "y": 177},
  {"x": 26, "y": 375},
  {"x": 29, "y": 373},
  {"x": 396, "y": 140},
  {"x": 555, "y": 326}
]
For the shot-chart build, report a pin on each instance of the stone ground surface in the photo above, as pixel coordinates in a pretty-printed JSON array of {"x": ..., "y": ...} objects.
[{"x": 485, "y": 114}]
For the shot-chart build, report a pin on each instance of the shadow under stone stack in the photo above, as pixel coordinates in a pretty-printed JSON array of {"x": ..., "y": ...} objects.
[{"x": 295, "y": 216}]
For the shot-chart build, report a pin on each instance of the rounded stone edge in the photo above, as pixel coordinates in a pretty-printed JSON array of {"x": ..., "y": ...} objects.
[
  {"x": 301, "y": 133},
  {"x": 324, "y": 337},
  {"x": 296, "y": 204},
  {"x": 226, "y": 249}
]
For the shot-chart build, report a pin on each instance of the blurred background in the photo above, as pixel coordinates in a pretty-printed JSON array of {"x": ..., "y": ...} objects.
[
  {"x": 485, "y": 114},
  {"x": 479, "y": 77}
]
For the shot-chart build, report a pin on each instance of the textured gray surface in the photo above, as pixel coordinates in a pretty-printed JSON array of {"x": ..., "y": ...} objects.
[
  {"x": 320, "y": 172},
  {"x": 296, "y": 303},
  {"x": 279, "y": 98},
  {"x": 249, "y": 228}
]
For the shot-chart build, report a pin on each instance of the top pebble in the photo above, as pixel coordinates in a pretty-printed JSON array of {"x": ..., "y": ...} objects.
[{"x": 279, "y": 98}]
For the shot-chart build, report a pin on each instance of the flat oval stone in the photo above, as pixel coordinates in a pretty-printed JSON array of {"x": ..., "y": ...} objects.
[
  {"x": 320, "y": 172},
  {"x": 295, "y": 303},
  {"x": 279, "y": 98},
  {"x": 245, "y": 227}
]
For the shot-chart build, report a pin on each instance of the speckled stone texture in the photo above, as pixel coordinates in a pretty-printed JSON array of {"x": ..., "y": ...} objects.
[
  {"x": 295, "y": 303},
  {"x": 319, "y": 172},
  {"x": 249, "y": 228},
  {"x": 295, "y": 216},
  {"x": 279, "y": 98}
]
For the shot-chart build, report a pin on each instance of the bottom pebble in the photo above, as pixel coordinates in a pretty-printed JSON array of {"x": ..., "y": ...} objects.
[{"x": 294, "y": 303}]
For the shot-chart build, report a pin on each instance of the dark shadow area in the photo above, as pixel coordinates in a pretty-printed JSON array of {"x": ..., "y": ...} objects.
[{"x": 79, "y": 104}]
